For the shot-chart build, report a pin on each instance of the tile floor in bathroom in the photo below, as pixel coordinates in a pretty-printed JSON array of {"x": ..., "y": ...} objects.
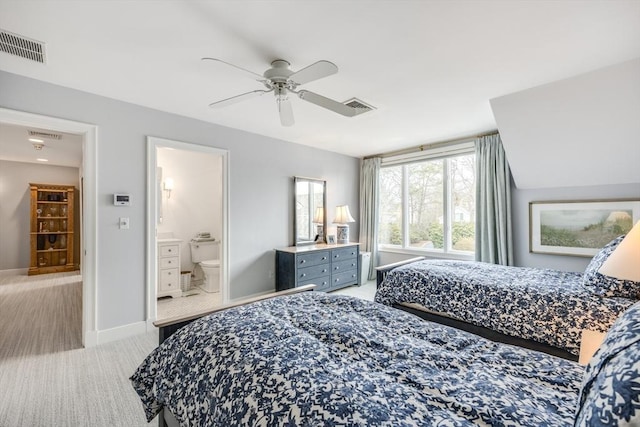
[{"x": 197, "y": 300}]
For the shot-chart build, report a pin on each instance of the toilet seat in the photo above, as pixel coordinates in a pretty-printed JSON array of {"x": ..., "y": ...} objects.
[{"x": 210, "y": 263}]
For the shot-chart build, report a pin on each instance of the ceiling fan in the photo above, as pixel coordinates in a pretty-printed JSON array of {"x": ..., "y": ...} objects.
[{"x": 281, "y": 80}]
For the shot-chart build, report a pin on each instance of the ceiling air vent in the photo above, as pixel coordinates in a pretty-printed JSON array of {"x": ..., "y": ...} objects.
[
  {"x": 358, "y": 105},
  {"x": 47, "y": 135},
  {"x": 21, "y": 46}
]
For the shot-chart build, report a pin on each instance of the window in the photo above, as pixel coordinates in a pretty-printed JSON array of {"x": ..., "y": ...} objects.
[{"x": 428, "y": 204}]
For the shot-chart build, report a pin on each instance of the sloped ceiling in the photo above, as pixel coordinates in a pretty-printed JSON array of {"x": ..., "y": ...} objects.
[{"x": 579, "y": 131}]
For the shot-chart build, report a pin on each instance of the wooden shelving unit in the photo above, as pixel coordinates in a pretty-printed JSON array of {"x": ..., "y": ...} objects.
[{"x": 52, "y": 225}]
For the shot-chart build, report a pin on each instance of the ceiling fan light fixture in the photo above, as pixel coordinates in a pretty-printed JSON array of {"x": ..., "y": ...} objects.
[{"x": 281, "y": 80}]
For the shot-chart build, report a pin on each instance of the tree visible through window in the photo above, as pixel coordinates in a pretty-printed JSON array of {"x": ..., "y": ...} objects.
[{"x": 429, "y": 205}]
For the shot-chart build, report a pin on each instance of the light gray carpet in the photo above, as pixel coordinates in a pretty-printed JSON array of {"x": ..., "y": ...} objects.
[
  {"x": 40, "y": 314},
  {"x": 45, "y": 378}
]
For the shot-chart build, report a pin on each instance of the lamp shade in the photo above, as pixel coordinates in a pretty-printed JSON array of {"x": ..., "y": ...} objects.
[
  {"x": 624, "y": 261},
  {"x": 319, "y": 216},
  {"x": 343, "y": 215}
]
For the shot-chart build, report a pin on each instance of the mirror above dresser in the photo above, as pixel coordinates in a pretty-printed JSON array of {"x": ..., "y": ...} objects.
[{"x": 310, "y": 214}]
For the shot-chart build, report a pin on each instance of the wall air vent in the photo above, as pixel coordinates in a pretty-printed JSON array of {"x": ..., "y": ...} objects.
[
  {"x": 21, "y": 46},
  {"x": 360, "y": 106},
  {"x": 47, "y": 135}
]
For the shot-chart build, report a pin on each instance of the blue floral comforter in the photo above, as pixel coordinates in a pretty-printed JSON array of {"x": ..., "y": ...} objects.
[
  {"x": 547, "y": 306},
  {"x": 314, "y": 359}
]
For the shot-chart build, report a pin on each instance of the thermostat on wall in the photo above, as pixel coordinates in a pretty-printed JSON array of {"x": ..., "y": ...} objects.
[{"x": 122, "y": 199}]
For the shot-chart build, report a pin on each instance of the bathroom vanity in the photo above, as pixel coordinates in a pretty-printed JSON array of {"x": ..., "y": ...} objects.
[{"x": 169, "y": 268}]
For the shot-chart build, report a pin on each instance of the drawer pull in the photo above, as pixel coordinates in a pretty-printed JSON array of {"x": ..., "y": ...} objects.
[
  {"x": 304, "y": 274},
  {"x": 324, "y": 258},
  {"x": 336, "y": 256},
  {"x": 337, "y": 268},
  {"x": 303, "y": 261}
]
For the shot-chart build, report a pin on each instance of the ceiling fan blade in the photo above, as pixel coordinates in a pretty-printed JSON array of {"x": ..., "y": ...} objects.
[
  {"x": 259, "y": 76},
  {"x": 327, "y": 103},
  {"x": 238, "y": 98},
  {"x": 315, "y": 71},
  {"x": 286, "y": 112}
]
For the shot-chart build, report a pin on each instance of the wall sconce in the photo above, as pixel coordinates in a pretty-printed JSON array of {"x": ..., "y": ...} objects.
[
  {"x": 168, "y": 186},
  {"x": 343, "y": 217},
  {"x": 318, "y": 219}
]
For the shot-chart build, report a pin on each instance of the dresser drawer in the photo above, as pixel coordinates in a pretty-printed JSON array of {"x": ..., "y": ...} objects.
[
  {"x": 344, "y": 253},
  {"x": 169, "y": 262},
  {"x": 346, "y": 278},
  {"x": 312, "y": 258},
  {"x": 322, "y": 283},
  {"x": 344, "y": 266},
  {"x": 313, "y": 271},
  {"x": 169, "y": 279},
  {"x": 169, "y": 250}
]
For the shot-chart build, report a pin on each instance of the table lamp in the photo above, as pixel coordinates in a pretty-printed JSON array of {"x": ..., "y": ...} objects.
[{"x": 343, "y": 217}]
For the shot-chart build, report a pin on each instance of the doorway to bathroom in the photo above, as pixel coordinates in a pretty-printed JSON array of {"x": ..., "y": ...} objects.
[{"x": 187, "y": 228}]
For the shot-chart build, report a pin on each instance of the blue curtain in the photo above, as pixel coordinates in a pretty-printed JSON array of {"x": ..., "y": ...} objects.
[
  {"x": 369, "y": 191},
  {"x": 494, "y": 238}
]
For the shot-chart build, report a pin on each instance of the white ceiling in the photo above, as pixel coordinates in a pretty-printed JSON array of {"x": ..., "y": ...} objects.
[
  {"x": 16, "y": 147},
  {"x": 429, "y": 67}
]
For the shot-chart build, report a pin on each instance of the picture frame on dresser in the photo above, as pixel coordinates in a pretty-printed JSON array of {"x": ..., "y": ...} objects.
[
  {"x": 579, "y": 227},
  {"x": 331, "y": 239}
]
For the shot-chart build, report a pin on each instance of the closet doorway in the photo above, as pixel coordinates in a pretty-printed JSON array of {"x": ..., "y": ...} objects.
[{"x": 187, "y": 187}]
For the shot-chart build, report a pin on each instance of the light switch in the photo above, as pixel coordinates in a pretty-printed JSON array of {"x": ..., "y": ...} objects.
[{"x": 124, "y": 223}]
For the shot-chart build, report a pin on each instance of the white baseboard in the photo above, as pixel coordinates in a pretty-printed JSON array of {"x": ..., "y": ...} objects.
[
  {"x": 90, "y": 339},
  {"x": 14, "y": 272},
  {"x": 121, "y": 332}
]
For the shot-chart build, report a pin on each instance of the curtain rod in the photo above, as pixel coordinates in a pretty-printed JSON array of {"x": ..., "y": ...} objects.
[{"x": 423, "y": 147}]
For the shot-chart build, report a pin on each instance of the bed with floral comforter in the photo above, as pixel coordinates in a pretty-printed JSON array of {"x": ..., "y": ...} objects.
[
  {"x": 546, "y": 306},
  {"x": 316, "y": 359}
]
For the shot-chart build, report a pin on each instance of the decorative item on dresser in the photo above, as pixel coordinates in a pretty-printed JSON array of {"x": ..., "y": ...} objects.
[
  {"x": 52, "y": 228},
  {"x": 328, "y": 267},
  {"x": 343, "y": 218},
  {"x": 169, "y": 268}
]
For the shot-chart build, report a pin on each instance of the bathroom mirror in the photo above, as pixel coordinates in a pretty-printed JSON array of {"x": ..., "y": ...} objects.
[{"x": 309, "y": 219}]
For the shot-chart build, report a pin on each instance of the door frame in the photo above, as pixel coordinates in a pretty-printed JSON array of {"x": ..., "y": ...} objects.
[
  {"x": 153, "y": 143},
  {"x": 89, "y": 207}
]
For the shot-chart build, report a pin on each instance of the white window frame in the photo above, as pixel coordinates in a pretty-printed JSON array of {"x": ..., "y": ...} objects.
[{"x": 442, "y": 152}]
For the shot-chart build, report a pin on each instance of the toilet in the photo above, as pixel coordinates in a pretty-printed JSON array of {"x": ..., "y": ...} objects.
[{"x": 205, "y": 254}]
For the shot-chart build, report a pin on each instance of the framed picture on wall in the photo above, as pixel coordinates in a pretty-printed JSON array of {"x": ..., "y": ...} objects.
[{"x": 579, "y": 228}]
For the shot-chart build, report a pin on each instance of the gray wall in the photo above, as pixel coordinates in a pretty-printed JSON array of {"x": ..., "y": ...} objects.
[
  {"x": 520, "y": 205},
  {"x": 15, "y": 206},
  {"x": 261, "y": 199}
]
